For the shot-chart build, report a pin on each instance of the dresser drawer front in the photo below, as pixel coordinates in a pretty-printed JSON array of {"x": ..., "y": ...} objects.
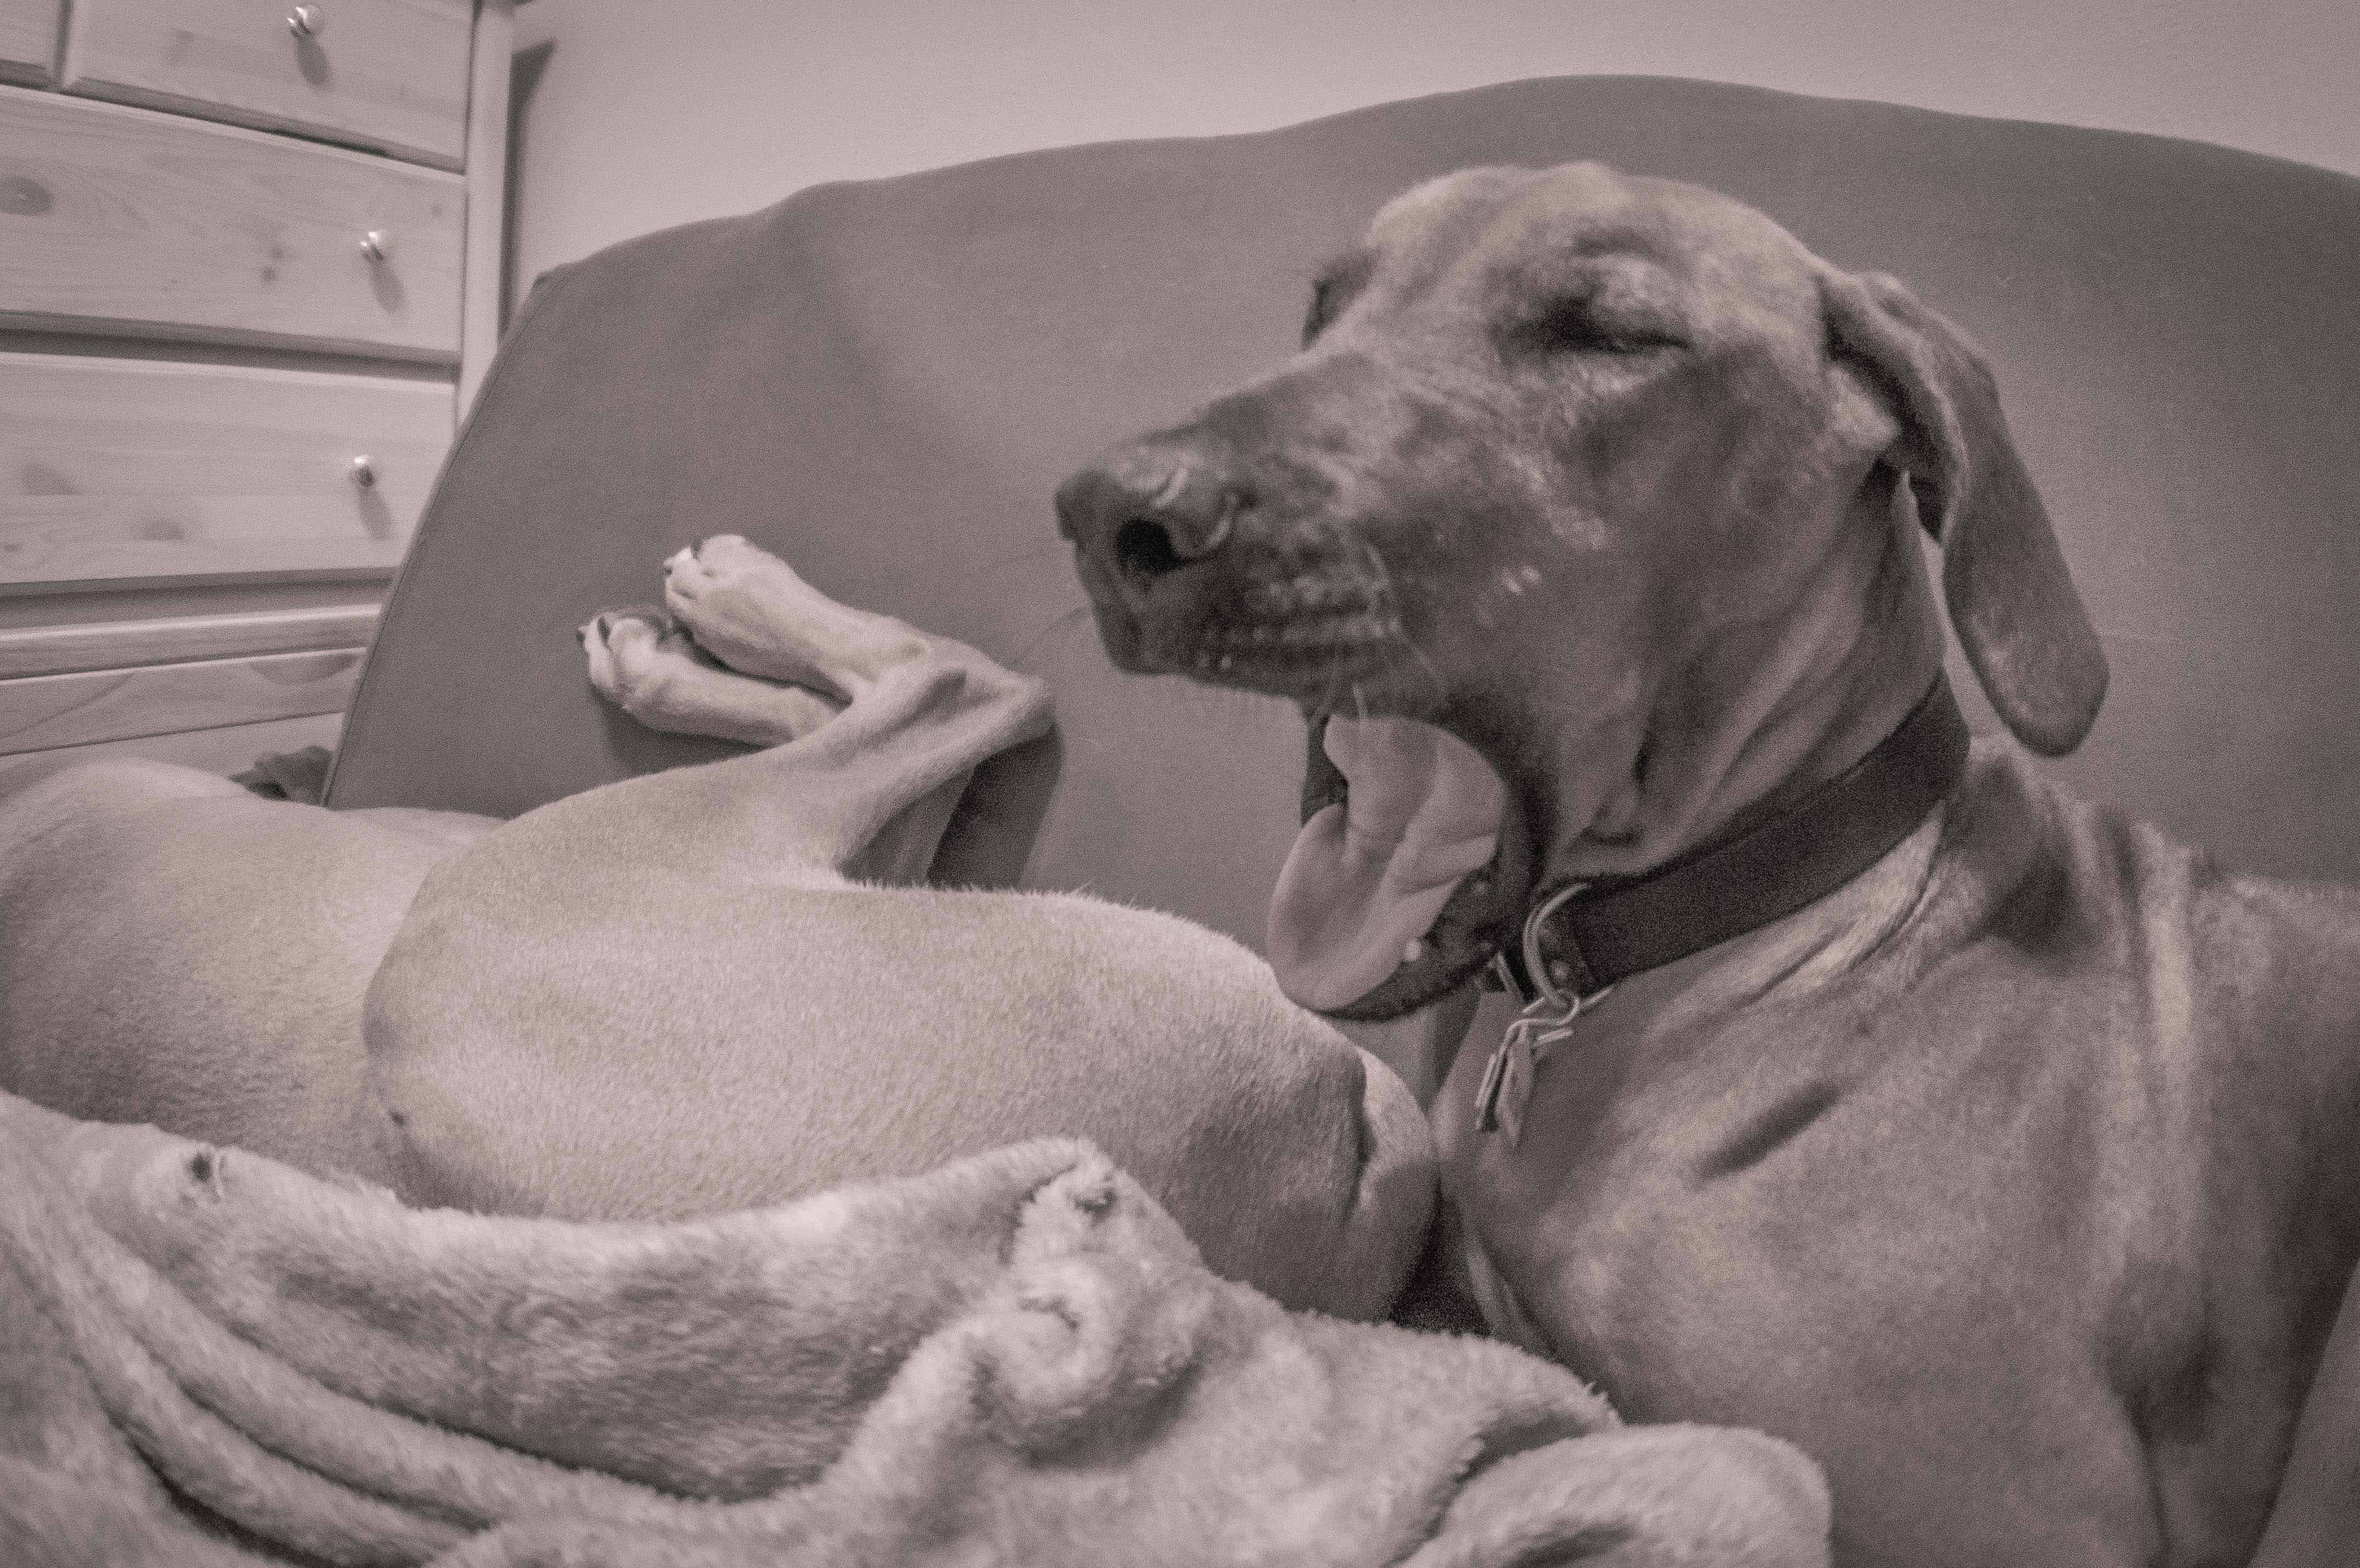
[
  {"x": 50, "y": 711},
  {"x": 115, "y": 470},
  {"x": 28, "y": 37},
  {"x": 127, "y": 220},
  {"x": 389, "y": 75}
]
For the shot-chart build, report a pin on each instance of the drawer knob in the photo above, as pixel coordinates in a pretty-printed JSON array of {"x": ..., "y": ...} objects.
[
  {"x": 364, "y": 473},
  {"x": 305, "y": 21},
  {"x": 377, "y": 245}
]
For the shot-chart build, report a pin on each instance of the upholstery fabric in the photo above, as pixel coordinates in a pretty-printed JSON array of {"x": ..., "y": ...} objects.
[{"x": 885, "y": 382}]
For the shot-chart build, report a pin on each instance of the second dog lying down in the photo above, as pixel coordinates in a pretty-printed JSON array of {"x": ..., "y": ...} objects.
[{"x": 677, "y": 994}]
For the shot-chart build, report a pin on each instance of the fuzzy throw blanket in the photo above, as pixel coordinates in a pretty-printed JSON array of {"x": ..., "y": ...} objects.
[{"x": 210, "y": 1359}]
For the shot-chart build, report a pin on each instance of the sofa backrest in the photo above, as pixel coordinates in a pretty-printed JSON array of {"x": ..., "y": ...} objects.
[{"x": 885, "y": 382}]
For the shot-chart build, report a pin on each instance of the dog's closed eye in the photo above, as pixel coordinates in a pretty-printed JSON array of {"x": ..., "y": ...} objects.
[
  {"x": 1577, "y": 323},
  {"x": 1338, "y": 285}
]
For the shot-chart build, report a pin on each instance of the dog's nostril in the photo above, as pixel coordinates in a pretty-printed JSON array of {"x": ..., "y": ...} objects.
[{"x": 1145, "y": 550}]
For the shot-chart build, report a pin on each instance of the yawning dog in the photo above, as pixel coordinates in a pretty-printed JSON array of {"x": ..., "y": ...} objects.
[{"x": 1995, "y": 1149}]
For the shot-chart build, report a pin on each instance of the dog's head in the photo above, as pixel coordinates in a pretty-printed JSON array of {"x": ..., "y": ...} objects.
[{"x": 1580, "y": 528}]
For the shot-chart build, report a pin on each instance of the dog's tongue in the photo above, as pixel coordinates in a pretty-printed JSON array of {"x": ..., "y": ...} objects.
[{"x": 1368, "y": 875}]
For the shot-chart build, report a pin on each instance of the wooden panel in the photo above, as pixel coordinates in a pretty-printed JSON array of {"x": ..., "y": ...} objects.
[
  {"x": 126, "y": 469},
  {"x": 28, "y": 38},
  {"x": 230, "y": 749},
  {"x": 115, "y": 645},
  {"x": 385, "y": 74},
  {"x": 126, "y": 221},
  {"x": 45, "y": 711},
  {"x": 487, "y": 173}
]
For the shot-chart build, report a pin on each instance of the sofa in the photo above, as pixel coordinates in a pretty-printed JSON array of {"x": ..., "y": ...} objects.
[{"x": 885, "y": 381}]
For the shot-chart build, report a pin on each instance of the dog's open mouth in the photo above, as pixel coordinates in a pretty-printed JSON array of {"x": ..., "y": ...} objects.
[
  {"x": 1404, "y": 879},
  {"x": 1411, "y": 869}
]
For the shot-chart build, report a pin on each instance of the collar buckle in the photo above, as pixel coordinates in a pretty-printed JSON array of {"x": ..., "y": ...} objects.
[
  {"x": 1554, "y": 966},
  {"x": 1546, "y": 964}
]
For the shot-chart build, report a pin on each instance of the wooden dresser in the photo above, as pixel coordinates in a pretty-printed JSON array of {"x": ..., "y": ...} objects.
[{"x": 249, "y": 277}]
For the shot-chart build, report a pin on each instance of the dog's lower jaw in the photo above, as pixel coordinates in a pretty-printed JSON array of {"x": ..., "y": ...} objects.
[{"x": 1581, "y": 809}]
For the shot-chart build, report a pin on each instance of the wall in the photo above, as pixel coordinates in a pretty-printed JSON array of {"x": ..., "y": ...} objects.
[{"x": 634, "y": 115}]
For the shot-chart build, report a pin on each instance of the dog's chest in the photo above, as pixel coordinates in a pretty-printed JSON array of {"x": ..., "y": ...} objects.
[
  {"x": 1779, "y": 1256},
  {"x": 1898, "y": 1235}
]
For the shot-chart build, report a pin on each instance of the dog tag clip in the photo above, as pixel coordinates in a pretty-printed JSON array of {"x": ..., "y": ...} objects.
[
  {"x": 1508, "y": 1077},
  {"x": 1546, "y": 1020}
]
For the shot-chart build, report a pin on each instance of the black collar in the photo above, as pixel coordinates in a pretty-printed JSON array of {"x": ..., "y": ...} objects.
[{"x": 1588, "y": 935}]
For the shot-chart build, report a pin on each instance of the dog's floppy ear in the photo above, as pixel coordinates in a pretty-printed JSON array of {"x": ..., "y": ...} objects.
[{"x": 2011, "y": 600}]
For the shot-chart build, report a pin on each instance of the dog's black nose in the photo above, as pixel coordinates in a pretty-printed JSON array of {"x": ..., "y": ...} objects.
[{"x": 1145, "y": 511}]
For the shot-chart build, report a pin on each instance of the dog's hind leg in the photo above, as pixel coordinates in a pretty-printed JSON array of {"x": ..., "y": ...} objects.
[
  {"x": 870, "y": 726},
  {"x": 577, "y": 978}
]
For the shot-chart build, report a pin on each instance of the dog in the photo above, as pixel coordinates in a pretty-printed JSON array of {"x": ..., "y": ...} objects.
[
  {"x": 702, "y": 990},
  {"x": 1996, "y": 1150}
]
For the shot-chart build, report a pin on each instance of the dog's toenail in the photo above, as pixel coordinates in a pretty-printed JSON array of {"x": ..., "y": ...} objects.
[{"x": 1412, "y": 951}]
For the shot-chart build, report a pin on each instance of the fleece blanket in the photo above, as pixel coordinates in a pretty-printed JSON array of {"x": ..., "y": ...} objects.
[{"x": 208, "y": 1359}]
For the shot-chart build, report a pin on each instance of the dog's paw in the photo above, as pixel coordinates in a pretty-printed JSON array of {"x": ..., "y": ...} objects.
[
  {"x": 729, "y": 565},
  {"x": 647, "y": 664},
  {"x": 635, "y": 655},
  {"x": 755, "y": 614}
]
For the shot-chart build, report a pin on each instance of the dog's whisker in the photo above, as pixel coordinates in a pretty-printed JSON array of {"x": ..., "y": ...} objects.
[
  {"x": 1378, "y": 570},
  {"x": 1426, "y": 662},
  {"x": 1060, "y": 622},
  {"x": 1055, "y": 550}
]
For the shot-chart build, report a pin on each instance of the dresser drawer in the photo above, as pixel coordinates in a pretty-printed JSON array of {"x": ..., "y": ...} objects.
[
  {"x": 127, "y": 469},
  {"x": 123, "y": 220},
  {"x": 28, "y": 37},
  {"x": 50, "y": 711},
  {"x": 385, "y": 74}
]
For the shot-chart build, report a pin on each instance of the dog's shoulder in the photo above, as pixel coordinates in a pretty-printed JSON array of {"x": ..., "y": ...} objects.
[{"x": 2098, "y": 892}]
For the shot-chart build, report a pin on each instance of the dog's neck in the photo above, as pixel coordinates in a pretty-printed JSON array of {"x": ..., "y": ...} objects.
[
  {"x": 1791, "y": 957},
  {"x": 1754, "y": 717},
  {"x": 1579, "y": 938}
]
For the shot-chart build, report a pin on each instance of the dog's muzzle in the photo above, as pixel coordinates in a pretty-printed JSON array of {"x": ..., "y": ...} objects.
[{"x": 1388, "y": 898}]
